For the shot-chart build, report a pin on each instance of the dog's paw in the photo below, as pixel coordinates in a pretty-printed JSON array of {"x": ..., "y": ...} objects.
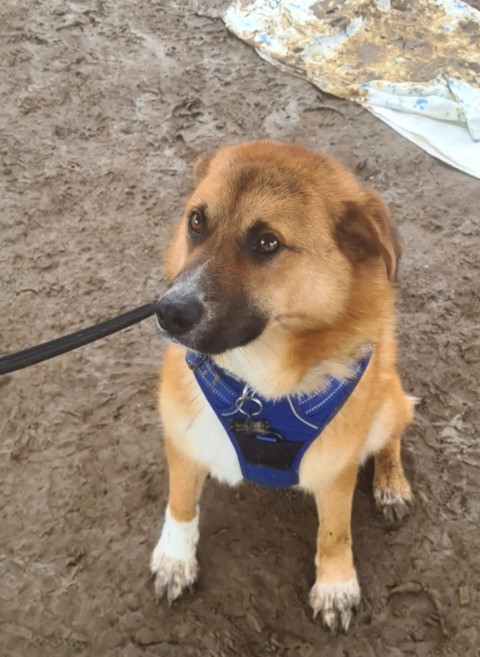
[
  {"x": 394, "y": 503},
  {"x": 336, "y": 603},
  {"x": 172, "y": 576},
  {"x": 174, "y": 564}
]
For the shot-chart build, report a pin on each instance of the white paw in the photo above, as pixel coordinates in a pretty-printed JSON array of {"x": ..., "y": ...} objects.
[
  {"x": 394, "y": 504},
  {"x": 172, "y": 576},
  {"x": 174, "y": 563},
  {"x": 336, "y": 603}
]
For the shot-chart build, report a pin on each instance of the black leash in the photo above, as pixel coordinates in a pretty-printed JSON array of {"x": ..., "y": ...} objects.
[{"x": 46, "y": 350}]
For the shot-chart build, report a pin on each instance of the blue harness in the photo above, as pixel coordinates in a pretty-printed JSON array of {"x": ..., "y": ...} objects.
[{"x": 271, "y": 437}]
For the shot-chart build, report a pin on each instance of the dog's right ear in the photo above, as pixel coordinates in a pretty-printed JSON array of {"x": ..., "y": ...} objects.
[{"x": 201, "y": 167}]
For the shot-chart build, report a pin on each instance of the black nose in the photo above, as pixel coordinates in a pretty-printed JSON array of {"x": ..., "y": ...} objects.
[{"x": 177, "y": 316}]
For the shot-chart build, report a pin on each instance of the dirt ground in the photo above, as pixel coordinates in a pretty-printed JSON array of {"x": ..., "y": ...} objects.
[{"x": 105, "y": 105}]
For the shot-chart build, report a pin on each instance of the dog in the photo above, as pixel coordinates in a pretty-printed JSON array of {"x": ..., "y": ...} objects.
[{"x": 280, "y": 307}]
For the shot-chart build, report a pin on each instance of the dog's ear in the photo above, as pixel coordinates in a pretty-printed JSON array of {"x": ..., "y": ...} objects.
[
  {"x": 201, "y": 167},
  {"x": 365, "y": 230}
]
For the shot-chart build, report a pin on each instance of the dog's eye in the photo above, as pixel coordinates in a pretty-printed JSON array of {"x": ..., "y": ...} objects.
[
  {"x": 267, "y": 244},
  {"x": 196, "y": 221}
]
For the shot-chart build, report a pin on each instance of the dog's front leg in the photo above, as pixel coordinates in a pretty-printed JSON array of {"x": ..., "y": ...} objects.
[
  {"x": 174, "y": 562},
  {"x": 336, "y": 593}
]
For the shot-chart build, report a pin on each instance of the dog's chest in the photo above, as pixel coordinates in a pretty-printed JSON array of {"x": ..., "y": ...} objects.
[{"x": 206, "y": 440}]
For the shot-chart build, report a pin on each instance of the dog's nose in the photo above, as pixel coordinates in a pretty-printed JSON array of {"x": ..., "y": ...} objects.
[{"x": 177, "y": 316}]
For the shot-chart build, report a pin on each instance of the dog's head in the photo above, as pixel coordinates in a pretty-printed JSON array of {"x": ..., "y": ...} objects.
[{"x": 274, "y": 235}]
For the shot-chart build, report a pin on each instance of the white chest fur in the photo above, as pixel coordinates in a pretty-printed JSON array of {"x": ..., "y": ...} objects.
[{"x": 206, "y": 441}]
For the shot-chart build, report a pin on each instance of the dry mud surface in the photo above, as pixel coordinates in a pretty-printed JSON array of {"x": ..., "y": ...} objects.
[{"x": 105, "y": 105}]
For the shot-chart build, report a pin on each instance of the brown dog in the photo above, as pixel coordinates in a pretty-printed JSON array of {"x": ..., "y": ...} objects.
[{"x": 281, "y": 271}]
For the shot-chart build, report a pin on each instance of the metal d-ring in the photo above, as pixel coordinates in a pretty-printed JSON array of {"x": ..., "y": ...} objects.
[
  {"x": 239, "y": 403},
  {"x": 245, "y": 397}
]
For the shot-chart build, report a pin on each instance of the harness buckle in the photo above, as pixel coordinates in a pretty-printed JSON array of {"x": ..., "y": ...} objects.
[
  {"x": 257, "y": 429},
  {"x": 195, "y": 366}
]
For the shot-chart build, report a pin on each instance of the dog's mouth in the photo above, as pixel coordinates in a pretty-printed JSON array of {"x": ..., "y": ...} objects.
[{"x": 214, "y": 335}]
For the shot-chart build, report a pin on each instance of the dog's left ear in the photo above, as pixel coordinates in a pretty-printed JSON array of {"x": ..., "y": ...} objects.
[
  {"x": 201, "y": 167},
  {"x": 365, "y": 230}
]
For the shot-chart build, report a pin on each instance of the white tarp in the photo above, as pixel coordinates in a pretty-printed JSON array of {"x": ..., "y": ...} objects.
[{"x": 415, "y": 64}]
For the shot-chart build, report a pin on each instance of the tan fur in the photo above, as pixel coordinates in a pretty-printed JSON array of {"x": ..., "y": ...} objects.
[
  {"x": 327, "y": 298},
  {"x": 186, "y": 479}
]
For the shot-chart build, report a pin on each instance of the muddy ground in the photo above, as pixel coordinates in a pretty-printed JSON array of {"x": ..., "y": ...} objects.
[{"x": 105, "y": 105}]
